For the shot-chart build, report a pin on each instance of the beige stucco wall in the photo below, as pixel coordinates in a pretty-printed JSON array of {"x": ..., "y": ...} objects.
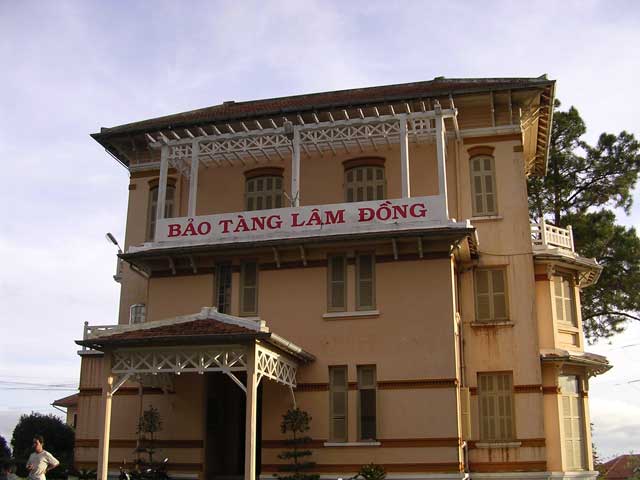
[{"x": 413, "y": 337}]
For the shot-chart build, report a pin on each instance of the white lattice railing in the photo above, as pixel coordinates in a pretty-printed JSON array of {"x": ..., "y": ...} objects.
[
  {"x": 545, "y": 235},
  {"x": 92, "y": 331}
]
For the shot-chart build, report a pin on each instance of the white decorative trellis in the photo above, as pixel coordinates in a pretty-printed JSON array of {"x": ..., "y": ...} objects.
[
  {"x": 275, "y": 366},
  {"x": 350, "y": 136},
  {"x": 226, "y": 359}
]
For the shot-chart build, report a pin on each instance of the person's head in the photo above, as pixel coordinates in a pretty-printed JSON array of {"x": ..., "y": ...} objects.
[{"x": 38, "y": 443}]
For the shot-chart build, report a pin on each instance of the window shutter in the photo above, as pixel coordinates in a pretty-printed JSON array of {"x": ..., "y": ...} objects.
[
  {"x": 338, "y": 403},
  {"x": 367, "y": 402},
  {"x": 337, "y": 284},
  {"x": 495, "y": 396},
  {"x": 249, "y": 288},
  {"x": 365, "y": 282},
  {"x": 483, "y": 186},
  {"x": 483, "y": 299}
]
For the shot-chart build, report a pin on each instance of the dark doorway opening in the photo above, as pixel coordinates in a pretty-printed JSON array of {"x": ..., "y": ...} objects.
[{"x": 225, "y": 428}]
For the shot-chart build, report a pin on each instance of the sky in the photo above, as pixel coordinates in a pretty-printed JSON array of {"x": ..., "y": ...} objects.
[{"x": 70, "y": 67}]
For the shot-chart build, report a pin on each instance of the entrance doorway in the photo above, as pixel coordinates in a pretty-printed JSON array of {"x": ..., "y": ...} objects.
[{"x": 225, "y": 428}]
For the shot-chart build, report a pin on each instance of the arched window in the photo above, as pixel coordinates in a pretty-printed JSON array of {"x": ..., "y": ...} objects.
[
  {"x": 153, "y": 207},
  {"x": 483, "y": 182},
  {"x": 263, "y": 189},
  {"x": 364, "y": 179}
]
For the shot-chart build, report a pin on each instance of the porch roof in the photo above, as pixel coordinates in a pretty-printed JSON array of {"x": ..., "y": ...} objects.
[
  {"x": 204, "y": 328},
  {"x": 597, "y": 364}
]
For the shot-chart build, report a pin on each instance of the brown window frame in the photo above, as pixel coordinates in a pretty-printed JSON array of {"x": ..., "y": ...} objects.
[{"x": 351, "y": 183}]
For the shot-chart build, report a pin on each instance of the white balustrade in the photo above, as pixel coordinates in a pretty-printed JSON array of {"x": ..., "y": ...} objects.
[{"x": 545, "y": 235}]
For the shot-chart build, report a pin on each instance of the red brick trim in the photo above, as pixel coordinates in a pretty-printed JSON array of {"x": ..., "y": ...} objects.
[
  {"x": 481, "y": 150},
  {"x": 389, "y": 467},
  {"x": 487, "y": 467},
  {"x": 264, "y": 172},
  {"x": 363, "y": 161}
]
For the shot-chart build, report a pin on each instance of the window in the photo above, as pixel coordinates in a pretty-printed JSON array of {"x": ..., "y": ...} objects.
[
  {"x": 223, "y": 288},
  {"x": 573, "y": 423},
  {"x": 367, "y": 402},
  {"x": 153, "y": 206},
  {"x": 249, "y": 288},
  {"x": 337, "y": 283},
  {"x": 137, "y": 313},
  {"x": 491, "y": 295},
  {"x": 495, "y": 400},
  {"x": 263, "y": 189},
  {"x": 483, "y": 186},
  {"x": 364, "y": 179},
  {"x": 365, "y": 281},
  {"x": 338, "y": 392},
  {"x": 564, "y": 297}
]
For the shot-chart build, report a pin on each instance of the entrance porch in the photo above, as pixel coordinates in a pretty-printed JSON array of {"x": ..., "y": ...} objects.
[{"x": 229, "y": 351}]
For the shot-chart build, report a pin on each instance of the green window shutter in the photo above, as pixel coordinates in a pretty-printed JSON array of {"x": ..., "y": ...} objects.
[
  {"x": 365, "y": 282},
  {"x": 338, "y": 403},
  {"x": 249, "y": 288},
  {"x": 337, "y": 283}
]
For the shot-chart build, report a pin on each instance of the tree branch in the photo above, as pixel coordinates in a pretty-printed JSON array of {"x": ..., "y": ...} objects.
[{"x": 610, "y": 312}]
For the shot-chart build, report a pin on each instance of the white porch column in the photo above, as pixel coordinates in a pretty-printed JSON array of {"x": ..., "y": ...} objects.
[
  {"x": 103, "y": 441},
  {"x": 251, "y": 414},
  {"x": 404, "y": 158},
  {"x": 441, "y": 153},
  {"x": 193, "y": 178},
  {"x": 295, "y": 169},
  {"x": 162, "y": 187}
]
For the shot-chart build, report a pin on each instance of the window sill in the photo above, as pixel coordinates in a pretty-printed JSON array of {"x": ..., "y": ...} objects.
[
  {"x": 351, "y": 444},
  {"x": 486, "y": 218},
  {"x": 505, "y": 323},
  {"x": 356, "y": 314},
  {"x": 498, "y": 444}
]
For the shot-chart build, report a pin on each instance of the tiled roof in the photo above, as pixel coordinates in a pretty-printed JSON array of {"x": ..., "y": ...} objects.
[
  {"x": 317, "y": 101},
  {"x": 195, "y": 328},
  {"x": 622, "y": 467},
  {"x": 70, "y": 401}
]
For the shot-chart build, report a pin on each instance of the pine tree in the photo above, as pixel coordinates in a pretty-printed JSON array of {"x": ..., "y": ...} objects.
[
  {"x": 296, "y": 422},
  {"x": 582, "y": 185}
]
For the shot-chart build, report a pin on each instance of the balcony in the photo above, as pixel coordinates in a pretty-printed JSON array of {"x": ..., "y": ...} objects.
[
  {"x": 545, "y": 236},
  {"x": 92, "y": 331}
]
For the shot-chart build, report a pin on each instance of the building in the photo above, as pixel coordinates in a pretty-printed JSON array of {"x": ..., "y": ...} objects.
[
  {"x": 365, "y": 255},
  {"x": 70, "y": 404},
  {"x": 623, "y": 467}
]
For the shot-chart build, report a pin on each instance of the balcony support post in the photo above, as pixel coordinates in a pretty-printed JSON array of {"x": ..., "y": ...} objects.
[
  {"x": 193, "y": 178},
  {"x": 441, "y": 153},
  {"x": 543, "y": 232},
  {"x": 162, "y": 187},
  {"x": 251, "y": 414},
  {"x": 404, "y": 158},
  {"x": 295, "y": 169}
]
